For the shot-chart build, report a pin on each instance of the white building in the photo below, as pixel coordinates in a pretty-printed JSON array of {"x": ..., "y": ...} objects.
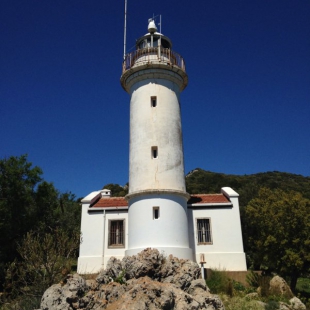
[{"x": 157, "y": 212}]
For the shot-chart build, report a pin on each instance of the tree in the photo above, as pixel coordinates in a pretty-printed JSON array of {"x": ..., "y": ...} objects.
[
  {"x": 277, "y": 225},
  {"x": 54, "y": 209},
  {"x": 18, "y": 180},
  {"x": 117, "y": 190},
  {"x": 27, "y": 203}
]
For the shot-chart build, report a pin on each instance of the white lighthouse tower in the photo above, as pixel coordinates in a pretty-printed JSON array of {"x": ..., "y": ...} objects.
[{"x": 154, "y": 76}]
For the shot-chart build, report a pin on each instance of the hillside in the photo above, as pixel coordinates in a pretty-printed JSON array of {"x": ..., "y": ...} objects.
[
  {"x": 207, "y": 182},
  {"x": 201, "y": 181}
]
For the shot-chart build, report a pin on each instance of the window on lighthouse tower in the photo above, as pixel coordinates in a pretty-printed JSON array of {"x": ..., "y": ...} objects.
[
  {"x": 154, "y": 152},
  {"x": 155, "y": 213},
  {"x": 153, "y": 101}
]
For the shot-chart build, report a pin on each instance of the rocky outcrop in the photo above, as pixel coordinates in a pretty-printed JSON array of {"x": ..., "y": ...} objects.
[
  {"x": 278, "y": 286},
  {"x": 297, "y": 304},
  {"x": 148, "y": 280}
]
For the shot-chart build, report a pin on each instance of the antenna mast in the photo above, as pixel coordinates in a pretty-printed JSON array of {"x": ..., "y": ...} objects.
[{"x": 125, "y": 25}]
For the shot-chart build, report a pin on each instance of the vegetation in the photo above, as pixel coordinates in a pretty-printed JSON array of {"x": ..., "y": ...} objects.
[
  {"x": 277, "y": 224},
  {"x": 255, "y": 296},
  {"x": 117, "y": 190},
  {"x": 201, "y": 181},
  {"x": 275, "y": 218},
  {"x": 39, "y": 231},
  {"x": 45, "y": 260}
]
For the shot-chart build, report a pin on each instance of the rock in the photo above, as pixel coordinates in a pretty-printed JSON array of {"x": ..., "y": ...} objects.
[
  {"x": 145, "y": 293},
  {"x": 297, "y": 304},
  {"x": 62, "y": 297},
  {"x": 148, "y": 280},
  {"x": 145, "y": 263},
  {"x": 283, "y": 306},
  {"x": 278, "y": 286},
  {"x": 180, "y": 272}
]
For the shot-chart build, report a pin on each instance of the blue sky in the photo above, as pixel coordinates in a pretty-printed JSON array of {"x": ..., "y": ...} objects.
[{"x": 246, "y": 108}]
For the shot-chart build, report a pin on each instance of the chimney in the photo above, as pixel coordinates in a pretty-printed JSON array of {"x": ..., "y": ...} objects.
[{"x": 105, "y": 193}]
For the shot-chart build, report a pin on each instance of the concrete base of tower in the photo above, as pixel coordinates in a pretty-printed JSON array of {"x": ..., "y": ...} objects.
[{"x": 182, "y": 253}]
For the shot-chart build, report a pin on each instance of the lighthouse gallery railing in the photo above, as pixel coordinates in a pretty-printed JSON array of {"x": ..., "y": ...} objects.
[{"x": 153, "y": 54}]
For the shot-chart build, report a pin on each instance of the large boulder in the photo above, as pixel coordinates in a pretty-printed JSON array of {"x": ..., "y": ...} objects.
[
  {"x": 278, "y": 286},
  {"x": 64, "y": 296},
  {"x": 148, "y": 280}
]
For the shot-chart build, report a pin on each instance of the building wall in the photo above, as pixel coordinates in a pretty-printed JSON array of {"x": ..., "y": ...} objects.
[
  {"x": 94, "y": 250},
  {"x": 226, "y": 250},
  {"x": 225, "y": 253}
]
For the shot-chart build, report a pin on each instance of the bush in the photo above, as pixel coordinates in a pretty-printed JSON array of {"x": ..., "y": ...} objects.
[
  {"x": 217, "y": 282},
  {"x": 45, "y": 260},
  {"x": 239, "y": 303},
  {"x": 252, "y": 278}
]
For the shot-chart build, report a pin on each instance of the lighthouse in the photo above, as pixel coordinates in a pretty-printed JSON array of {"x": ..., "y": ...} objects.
[
  {"x": 157, "y": 211},
  {"x": 154, "y": 76}
]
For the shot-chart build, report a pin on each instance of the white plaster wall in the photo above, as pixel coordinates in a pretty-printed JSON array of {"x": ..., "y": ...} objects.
[
  {"x": 94, "y": 251},
  {"x": 90, "y": 257},
  {"x": 226, "y": 250},
  {"x": 155, "y": 126},
  {"x": 168, "y": 233},
  {"x": 116, "y": 252}
]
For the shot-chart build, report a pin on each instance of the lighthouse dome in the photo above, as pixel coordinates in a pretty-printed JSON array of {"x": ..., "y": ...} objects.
[{"x": 153, "y": 38}]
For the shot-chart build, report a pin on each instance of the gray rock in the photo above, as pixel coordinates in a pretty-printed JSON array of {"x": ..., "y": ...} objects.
[
  {"x": 297, "y": 304},
  {"x": 147, "y": 280},
  {"x": 62, "y": 297}
]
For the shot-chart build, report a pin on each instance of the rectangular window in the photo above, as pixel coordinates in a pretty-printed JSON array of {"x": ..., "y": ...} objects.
[
  {"x": 117, "y": 233},
  {"x": 154, "y": 152},
  {"x": 153, "y": 101},
  {"x": 155, "y": 213},
  {"x": 204, "y": 231}
]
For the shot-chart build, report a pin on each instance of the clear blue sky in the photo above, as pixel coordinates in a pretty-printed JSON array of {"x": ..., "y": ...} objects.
[{"x": 246, "y": 108}]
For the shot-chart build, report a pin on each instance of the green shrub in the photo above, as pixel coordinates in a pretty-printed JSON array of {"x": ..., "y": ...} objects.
[
  {"x": 239, "y": 303},
  {"x": 217, "y": 282},
  {"x": 252, "y": 278},
  {"x": 23, "y": 303},
  {"x": 239, "y": 287},
  {"x": 264, "y": 284}
]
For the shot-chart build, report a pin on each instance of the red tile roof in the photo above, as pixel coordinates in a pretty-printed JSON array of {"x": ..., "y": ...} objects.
[
  {"x": 113, "y": 202},
  {"x": 208, "y": 198}
]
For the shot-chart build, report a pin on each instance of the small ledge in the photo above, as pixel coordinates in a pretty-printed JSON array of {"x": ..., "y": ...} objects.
[{"x": 158, "y": 192}]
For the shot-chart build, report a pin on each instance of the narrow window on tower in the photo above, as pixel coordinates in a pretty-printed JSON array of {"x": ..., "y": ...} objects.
[
  {"x": 155, "y": 213},
  {"x": 153, "y": 101},
  {"x": 154, "y": 152}
]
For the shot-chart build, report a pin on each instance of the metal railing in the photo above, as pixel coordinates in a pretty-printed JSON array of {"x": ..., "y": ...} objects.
[{"x": 153, "y": 54}]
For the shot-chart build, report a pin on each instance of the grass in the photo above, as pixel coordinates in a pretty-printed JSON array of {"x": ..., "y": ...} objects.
[
  {"x": 240, "y": 303},
  {"x": 235, "y": 296},
  {"x": 303, "y": 291}
]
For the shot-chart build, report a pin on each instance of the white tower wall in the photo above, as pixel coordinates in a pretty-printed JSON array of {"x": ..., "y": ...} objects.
[
  {"x": 157, "y": 217},
  {"x": 168, "y": 233},
  {"x": 158, "y": 127}
]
